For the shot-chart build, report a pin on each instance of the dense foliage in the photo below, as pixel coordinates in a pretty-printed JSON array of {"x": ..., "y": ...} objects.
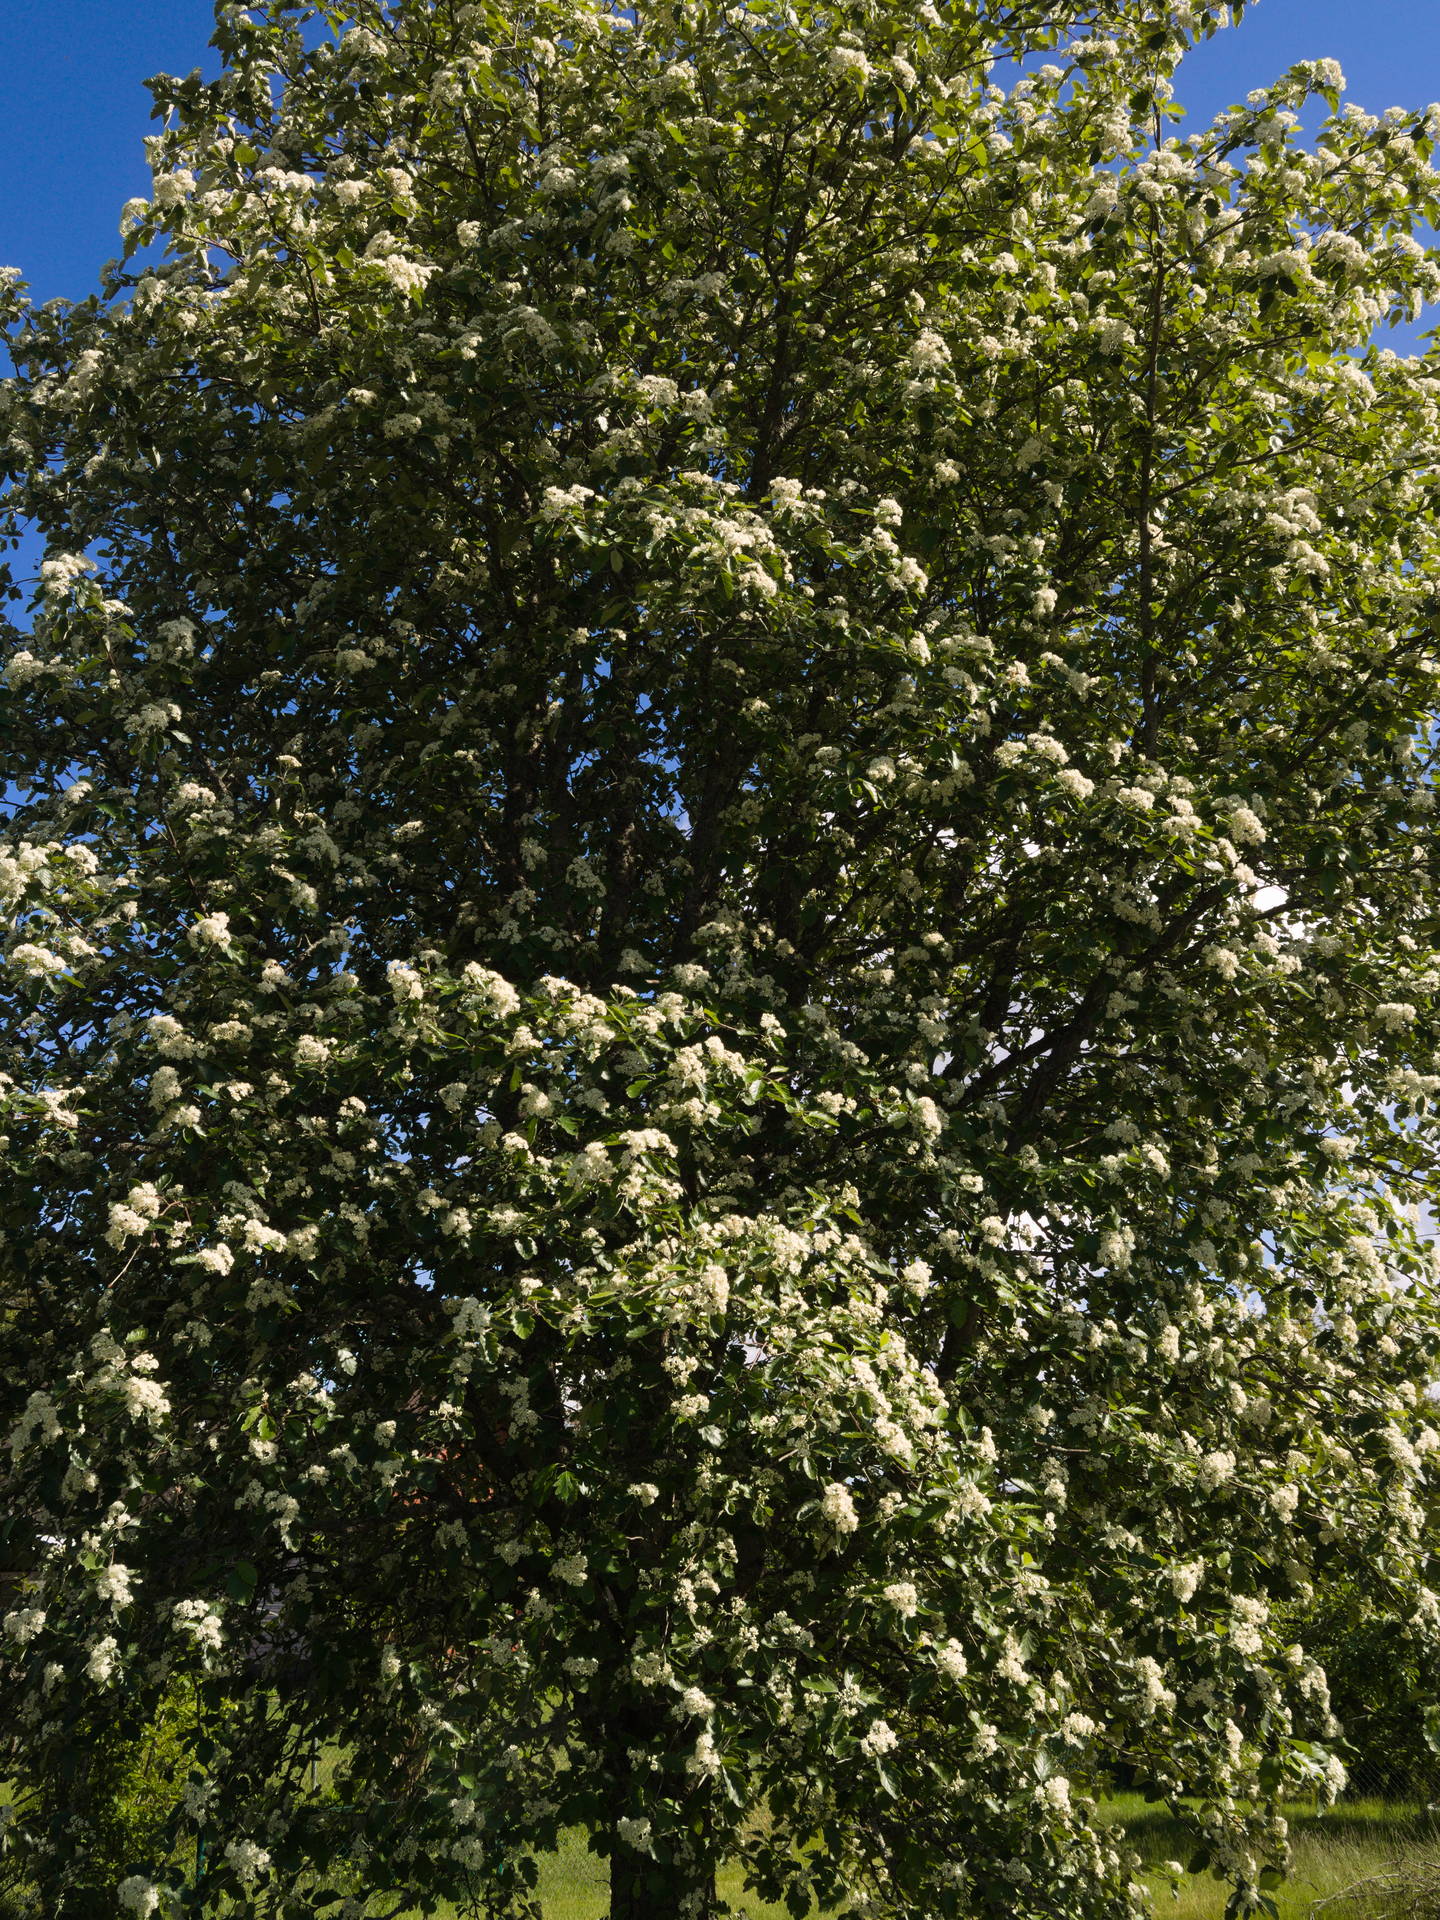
[
  {"x": 1380, "y": 1668},
  {"x": 719, "y": 987}
]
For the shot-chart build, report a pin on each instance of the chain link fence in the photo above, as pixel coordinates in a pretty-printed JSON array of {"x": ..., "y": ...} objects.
[
  {"x": 1380, "y": 1840},
  {"x": 1397, "y": 1785}
]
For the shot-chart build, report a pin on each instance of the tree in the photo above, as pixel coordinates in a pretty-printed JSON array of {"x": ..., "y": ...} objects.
[
  {"x": 1382, "y": 1690},
  {"x": 720, "y": 995}
]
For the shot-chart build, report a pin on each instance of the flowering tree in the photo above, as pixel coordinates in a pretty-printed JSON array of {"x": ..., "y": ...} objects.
[{"x": 718, "y": 1007}]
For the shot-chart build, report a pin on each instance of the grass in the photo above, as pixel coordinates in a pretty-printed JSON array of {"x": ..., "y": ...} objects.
[
  {"x": 575, "y": 1885},
  {"x": 1358, "y": 1840},
  {"x": 1332, "y": 1851}
]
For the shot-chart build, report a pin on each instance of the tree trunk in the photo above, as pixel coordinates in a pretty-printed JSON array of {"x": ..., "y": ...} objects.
[
  {"x": 674, "y": 1878},
  {"x": 680, "y": 1886}
]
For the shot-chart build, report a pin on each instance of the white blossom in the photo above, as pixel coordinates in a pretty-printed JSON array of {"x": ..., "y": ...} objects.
[
  {"x": 902, "y": 1596},
  {"x": 24, "y": 1623},
  {"x": 1217, "y": 1469},
  {"x": 100, "y": 1662},
  {"x": 951, "y": 1660},
  {"x": 248, "y": 1859},
  {"x": 113, "y": 1583},
  {"x": 212, "y": 930}
]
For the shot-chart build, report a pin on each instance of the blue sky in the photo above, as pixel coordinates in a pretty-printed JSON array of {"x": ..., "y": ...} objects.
[{"x": 74, "y": 109}]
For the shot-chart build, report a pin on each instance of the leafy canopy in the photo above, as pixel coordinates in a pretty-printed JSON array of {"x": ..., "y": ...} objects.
[{"x": 719, "y": 983}]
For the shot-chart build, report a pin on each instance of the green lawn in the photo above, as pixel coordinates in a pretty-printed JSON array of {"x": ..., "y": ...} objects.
[
  {"x": 1332, "y": 1851},
  {"x": 575, "y": 1885},
  {"x": 1355, "y": 1841}
]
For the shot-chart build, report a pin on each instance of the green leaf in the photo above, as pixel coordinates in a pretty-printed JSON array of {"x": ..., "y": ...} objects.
[{"x": 241, "y": 1581}]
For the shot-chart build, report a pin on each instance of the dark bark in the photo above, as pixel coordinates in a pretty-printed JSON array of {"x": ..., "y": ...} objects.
[
  {"x": 676, "y": 1880},
  {"x": 680, "y": 1886}
]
